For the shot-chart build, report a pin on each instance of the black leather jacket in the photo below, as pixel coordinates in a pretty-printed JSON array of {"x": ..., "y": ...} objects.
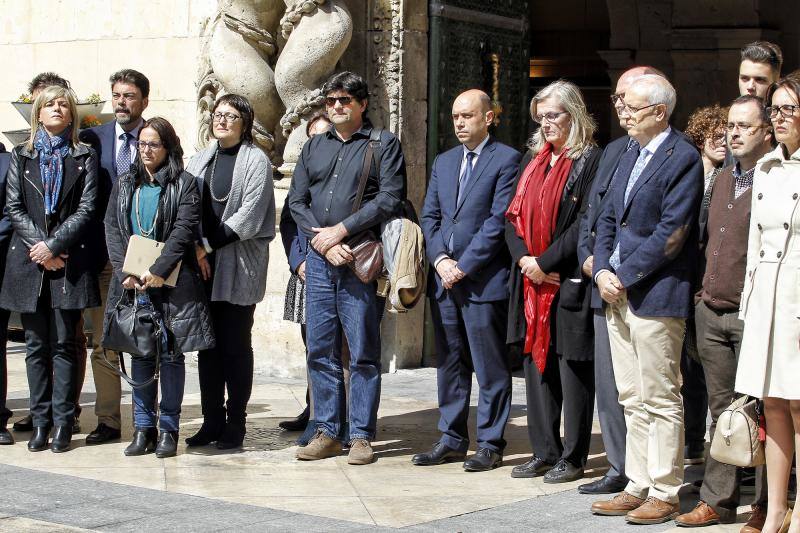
[{"x": 64, "y": 232}]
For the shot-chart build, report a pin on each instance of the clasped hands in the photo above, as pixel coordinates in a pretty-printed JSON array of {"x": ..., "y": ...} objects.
[
  {"x": 530, "y": 269},
  {"x": 42, "y": 255},
  {"x": 449, "y": 272},
  {"x": 610, "y": 287},
  {"x": 328, "y": 242},
  {"x": 148, "y": 281}
]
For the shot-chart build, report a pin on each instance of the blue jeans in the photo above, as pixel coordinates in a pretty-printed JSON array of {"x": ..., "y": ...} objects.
[
  {"x": 334, "y": 296},
  {"x": 173, "y": 377}
]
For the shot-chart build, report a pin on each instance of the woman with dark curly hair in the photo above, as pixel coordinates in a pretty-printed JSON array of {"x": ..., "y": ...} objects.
[{"x": 706, "y": 129}]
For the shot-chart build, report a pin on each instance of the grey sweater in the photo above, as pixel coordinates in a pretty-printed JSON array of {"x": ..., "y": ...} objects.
[{"x": 240, "y": 268}]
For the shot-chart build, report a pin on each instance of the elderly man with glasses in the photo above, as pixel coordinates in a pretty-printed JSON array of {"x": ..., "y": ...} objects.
[{"x": 643, "y": 270}]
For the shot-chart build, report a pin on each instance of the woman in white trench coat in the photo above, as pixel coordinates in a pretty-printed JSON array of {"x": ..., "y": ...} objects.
[{"x": 769, "y": 364}]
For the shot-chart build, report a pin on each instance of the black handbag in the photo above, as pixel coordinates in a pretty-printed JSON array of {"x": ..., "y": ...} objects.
[{"x": 135, "y": 326}]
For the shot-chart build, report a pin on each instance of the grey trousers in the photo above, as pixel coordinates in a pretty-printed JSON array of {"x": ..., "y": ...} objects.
[
  {"x": 609, "y": 410},
  {"x": 719, "y": 337}
]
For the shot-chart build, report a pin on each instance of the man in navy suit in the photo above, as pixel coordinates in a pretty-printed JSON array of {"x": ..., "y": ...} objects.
[
  {"x": 609, "y": 411},
  {"x": 116, "y": 146},
  {"x": 643, "y": 268},
  {"x": 5, "y": 237},
  {"x": 463, "y": 221}
]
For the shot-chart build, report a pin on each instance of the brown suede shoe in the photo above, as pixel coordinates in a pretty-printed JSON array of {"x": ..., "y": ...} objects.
[
  {"x": 360, "y": 453},
  {"x": 756, "y": 522},
  {"x": 619, "y": 505},
  {"x": 320, "y": 446},
  {"x": 702, "y": 515},
  {"x": 653, "y": 511}
]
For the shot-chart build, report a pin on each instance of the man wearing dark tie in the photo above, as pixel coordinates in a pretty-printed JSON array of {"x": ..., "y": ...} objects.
[
  {"x": 116, "y": 145},
  {"x": 463, "y": 221},
  {"x": 644, "y": 258}
]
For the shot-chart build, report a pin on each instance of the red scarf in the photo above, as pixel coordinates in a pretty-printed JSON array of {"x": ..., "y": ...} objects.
[{"x": 533, "y": 213}]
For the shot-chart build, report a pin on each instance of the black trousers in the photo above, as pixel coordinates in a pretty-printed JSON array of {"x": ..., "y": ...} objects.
[
  {"x": 5, "y": 412},
  {"x": 564, "y": 384},
  {"x": 228, "y": 366},
  {"x": 51, "y": 362},
  {"x": 695, "y": 396}
]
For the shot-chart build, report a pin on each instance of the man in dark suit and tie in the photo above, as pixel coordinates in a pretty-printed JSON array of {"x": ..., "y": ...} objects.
[
  {"x": 116, "y": 146},
  {"x": 463, "y": 221},
  {"x": 643, "y": 268},
  {"x": 609, "y": 411}
]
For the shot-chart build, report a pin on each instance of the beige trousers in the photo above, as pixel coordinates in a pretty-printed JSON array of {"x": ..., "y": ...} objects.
[
  {"x": 646, "y": 355},
  {"x": 106, "y": 383}
]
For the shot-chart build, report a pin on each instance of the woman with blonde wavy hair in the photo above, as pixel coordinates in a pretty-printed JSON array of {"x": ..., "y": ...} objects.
[{"x": 550, "y": 314}]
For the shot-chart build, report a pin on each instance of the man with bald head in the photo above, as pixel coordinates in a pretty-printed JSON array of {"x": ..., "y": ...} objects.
[
  {"x": 644, "y": 258},
  {"x": 463, "y": 220}
]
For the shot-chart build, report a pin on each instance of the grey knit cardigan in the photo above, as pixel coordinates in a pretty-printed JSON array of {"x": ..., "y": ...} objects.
[{"x": 240, "y": 268}]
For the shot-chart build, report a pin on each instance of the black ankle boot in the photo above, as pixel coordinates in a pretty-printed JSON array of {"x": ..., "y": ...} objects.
[
  {"x": 208, "y": 433},
  {"x": 6, "y": 438},
  {"x": 167, "y": 444},
  {"x": 232, "y": 437},
  {"x": 39, "y": 438},
  {"x": 143, "y": 442},
  {"x": 62, "y": 437}
]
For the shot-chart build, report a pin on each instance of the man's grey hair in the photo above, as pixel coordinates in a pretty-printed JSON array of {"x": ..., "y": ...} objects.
[{"x": 658, "y": 89}]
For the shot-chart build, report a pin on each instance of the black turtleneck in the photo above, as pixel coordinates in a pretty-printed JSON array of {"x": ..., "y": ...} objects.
[{"x": 217, "y": 233}]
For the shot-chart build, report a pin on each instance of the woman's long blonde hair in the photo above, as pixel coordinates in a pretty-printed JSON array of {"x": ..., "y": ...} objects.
[
  {"x": 48, "y": 95},
  {"x": 582, "y": 125}
]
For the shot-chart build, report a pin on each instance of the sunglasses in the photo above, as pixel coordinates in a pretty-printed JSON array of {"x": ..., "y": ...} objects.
[{"x": 330, "y": 101}]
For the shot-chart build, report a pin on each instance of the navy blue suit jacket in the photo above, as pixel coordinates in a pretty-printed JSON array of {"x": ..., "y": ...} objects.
[
  {"x": 653, "y": 229},
  {"x": 476, "y": 225},
  {"x": 5, "y": 222},
  {"x": 598, "y": 197}
]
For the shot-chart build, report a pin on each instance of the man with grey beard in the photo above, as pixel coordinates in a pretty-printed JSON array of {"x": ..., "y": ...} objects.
[{"x": 116, "y": 146}]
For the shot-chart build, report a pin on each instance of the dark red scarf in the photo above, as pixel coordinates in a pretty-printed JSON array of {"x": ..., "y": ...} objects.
[{"x": 533, "y": 213}]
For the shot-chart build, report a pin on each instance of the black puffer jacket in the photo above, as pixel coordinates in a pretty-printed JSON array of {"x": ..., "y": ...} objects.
[
  {"x": 184, "y": 307},
  {"x": 72, "y": 287}
]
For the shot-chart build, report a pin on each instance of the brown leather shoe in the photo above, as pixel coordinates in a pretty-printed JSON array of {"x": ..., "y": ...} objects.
[
  {"x": 757, "y": 518},
  {"x": 702, "y": 515},
  {"x": 619, "y": 505},
  {"x": 653, "y": 511}
]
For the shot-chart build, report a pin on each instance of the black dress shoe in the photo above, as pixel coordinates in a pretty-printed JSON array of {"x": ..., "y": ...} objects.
[
  {"x": 23, "y": 424},
  {"x": 536, "y": 466},
  {"x": 103, "y": 433},
  {"x": 438, "y": 455},
  {"x": 604, "y": 485},
  {"x": 694, "y": 453},
  {"x": 208, "y": 433},
  {"x": 39, "y": 438},
  {"x": 143, "y": 442},
  {"x": 76, "y": 426},
  {"x": 167, "y": 444},
  {"x": 563, "y": 472},
  {"x": 232, "y": 437},
  {"x": 483, "y": 460},
  {"x": 6, "y": 438},
  {"x": 62, "y": 437},
  {"x": 297, "y": 423}
]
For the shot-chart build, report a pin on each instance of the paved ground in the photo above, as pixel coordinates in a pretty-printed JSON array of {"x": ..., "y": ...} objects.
[{"x": 263, "y": 487}]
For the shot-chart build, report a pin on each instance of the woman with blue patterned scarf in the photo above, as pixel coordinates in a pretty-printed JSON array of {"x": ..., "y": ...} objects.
[{"x": 49, "y": 279}]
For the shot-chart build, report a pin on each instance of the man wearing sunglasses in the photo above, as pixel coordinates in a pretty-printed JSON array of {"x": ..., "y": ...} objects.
[
  {"x": 322, "y": 195},
  {"x": 116, "y": 145}
]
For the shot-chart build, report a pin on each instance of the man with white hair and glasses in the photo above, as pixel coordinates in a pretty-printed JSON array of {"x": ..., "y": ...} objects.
[{"x": 643, "y": 270}]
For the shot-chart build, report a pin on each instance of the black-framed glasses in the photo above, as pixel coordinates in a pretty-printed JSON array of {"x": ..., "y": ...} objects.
[
  {"x": 617, "y": 99},
  {"x": 152, "y": 145},
  {"x": 551, "y": 117},
  {"x": 786, "y": 110},
  {"x": 330, "y": 101},
  {"x": 225, "y": 117},
  {"x": 743, "y": 127},
  {"x": 632, "y": 110}
]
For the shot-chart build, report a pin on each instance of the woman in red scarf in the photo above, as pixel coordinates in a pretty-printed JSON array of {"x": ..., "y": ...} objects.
[{"x": 550, "y": 313}]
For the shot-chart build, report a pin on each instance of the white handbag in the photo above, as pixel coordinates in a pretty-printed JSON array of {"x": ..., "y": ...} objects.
[{"x": 736, "y": 439}]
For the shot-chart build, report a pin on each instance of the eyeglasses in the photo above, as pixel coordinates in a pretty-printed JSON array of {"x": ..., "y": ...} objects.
[
  {"x": 225, "y": 117},
  {"x": 749, "y": 129},
  {"x": 551, "y": 117},
  {"x": 152, "y": 145},
  {"x": 633, "y": 110},
  {"x": 330, "y": 101},
  {"x": 786, "y": 110},
  {"x": 618, "y": 99},
  {"x": 718, "y": 139}
]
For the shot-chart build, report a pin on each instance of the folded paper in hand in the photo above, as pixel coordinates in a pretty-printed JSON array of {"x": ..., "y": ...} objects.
[{"x": 142, "y": 254}]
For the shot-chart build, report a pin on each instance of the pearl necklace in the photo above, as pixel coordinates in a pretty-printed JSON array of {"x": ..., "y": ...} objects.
[{"x": 211, "y": 184}]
